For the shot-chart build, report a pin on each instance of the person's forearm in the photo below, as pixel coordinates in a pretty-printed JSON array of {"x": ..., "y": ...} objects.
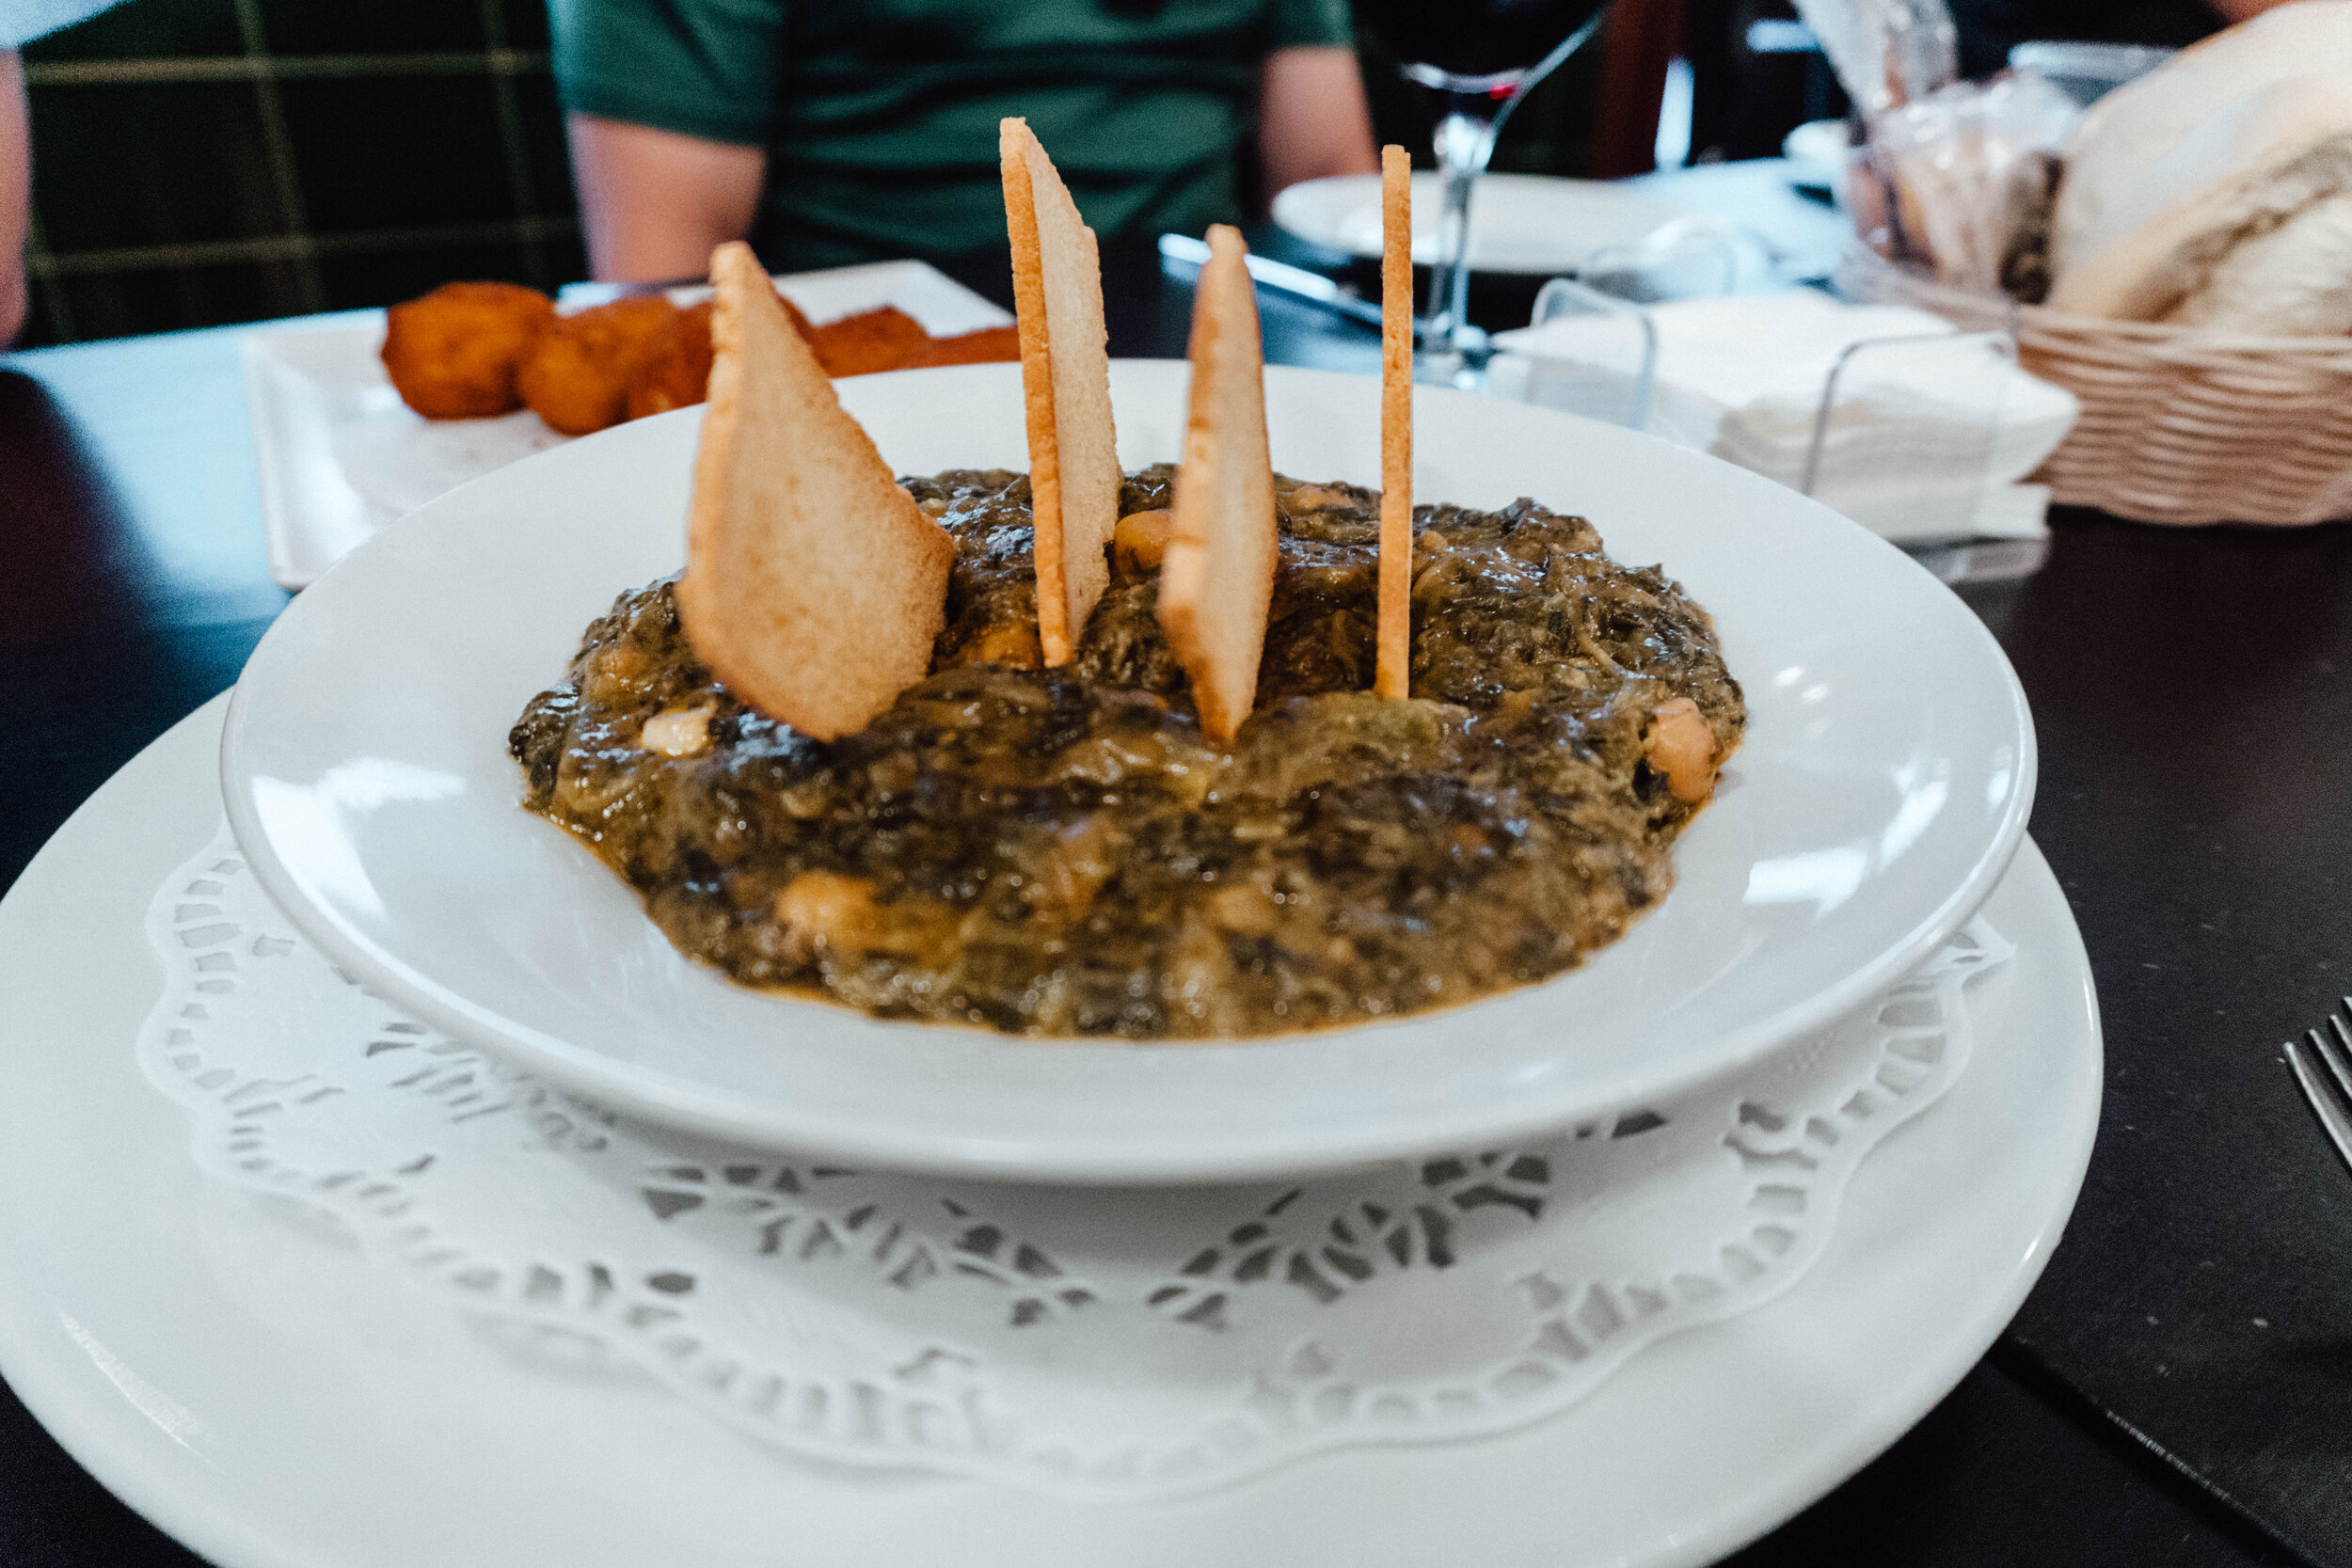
[
  {"x": 16, "y": 195},
  {"x": 654, "y": 203},
  {"x": 1311, "y": 117}
]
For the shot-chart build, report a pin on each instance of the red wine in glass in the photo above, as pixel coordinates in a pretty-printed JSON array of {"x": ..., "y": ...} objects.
[
  {"x": 1476, "y": 59},
  {"x": 1475, "y": 37}
]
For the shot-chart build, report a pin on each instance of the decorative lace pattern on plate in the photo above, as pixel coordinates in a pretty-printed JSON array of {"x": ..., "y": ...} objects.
[{"x": 1105, "y": 1341}]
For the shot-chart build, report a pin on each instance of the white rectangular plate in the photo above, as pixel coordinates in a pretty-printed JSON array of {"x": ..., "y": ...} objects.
[{"x": 341, "y": 455}]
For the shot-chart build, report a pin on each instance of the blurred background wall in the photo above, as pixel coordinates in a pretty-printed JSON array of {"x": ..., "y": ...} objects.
[{"x": 206, "y": 161}]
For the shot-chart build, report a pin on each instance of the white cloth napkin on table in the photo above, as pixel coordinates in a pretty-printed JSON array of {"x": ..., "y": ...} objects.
[{"x": 1924, "y": 444}]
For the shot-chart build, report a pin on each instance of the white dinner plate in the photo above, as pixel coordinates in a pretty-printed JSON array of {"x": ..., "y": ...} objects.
[
  {"x": 1528, "y": 223},
  {"x": 1882, "y": 786},
  {"x": 339, "y": 456},
  {"x": 264, "y": 1394}
]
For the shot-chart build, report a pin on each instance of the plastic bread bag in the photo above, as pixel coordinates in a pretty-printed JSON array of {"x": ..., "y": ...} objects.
[
  {"x": 1886, "y": 53},
  {"x": 1967, "y": 173}
]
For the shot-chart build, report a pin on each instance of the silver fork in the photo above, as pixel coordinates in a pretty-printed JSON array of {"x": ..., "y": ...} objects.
[{"x": 2323, "y": 1065}]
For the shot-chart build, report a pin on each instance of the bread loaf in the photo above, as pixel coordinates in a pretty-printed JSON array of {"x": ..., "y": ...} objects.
[{"x": 2217, "y": 190}]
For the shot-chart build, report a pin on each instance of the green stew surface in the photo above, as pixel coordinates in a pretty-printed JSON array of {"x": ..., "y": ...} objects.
[{"x": 1063, "y": 852}]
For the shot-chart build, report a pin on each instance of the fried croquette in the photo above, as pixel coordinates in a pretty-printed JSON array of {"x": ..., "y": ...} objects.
[
  {"x": 678, "y": 373},
  {"x": 471, "y": 350},
  {"x": 988, "y": 346},
  {"x": 577, "y": 377},
  {"x": 453, "y": 355},
  {"x": 882, "y": 339}
]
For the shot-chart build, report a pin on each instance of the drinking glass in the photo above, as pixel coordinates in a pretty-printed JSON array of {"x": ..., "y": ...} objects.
[{"x": 1474, "y": 61}]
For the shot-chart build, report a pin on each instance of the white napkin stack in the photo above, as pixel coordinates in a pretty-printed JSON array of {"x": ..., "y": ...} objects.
[{"x": 1927, "y": 441}]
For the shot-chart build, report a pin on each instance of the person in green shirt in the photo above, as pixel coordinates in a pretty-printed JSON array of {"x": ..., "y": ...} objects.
[{"x": 859, "y": 130}]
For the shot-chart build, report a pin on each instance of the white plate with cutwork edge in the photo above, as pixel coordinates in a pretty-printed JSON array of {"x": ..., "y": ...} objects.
[
  {"x": 265, "y": 1393},
  {"x": 1882, "y": 790}
]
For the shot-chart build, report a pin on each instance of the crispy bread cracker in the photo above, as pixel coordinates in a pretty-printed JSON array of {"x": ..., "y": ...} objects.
[
  {"x": 1217, "y": 577},
  {"x": 814, "y": 585},
  {"x": 799, "y": 318},
  {"x": 1065, "y": 380},
  {"x": 1392, "y": 672}
]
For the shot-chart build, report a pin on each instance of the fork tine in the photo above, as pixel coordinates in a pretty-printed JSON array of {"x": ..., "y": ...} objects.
[
  {"x": 2319, "y": 1085},
  {"x": 2337, "y": 1053}
]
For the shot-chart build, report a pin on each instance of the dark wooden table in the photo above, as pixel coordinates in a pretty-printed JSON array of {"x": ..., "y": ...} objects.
[{"x": 2175, "y": 1392}]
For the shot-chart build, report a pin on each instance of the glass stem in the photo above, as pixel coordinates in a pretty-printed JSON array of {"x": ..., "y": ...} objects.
[{"x": 1465, "y": 140}]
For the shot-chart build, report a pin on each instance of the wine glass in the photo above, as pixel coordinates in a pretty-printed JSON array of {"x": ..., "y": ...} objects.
[{"x": 1476, "y": 59}]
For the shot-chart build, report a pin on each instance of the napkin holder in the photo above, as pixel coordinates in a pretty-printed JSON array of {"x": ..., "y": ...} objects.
[{"x": 1926, "y": 476}]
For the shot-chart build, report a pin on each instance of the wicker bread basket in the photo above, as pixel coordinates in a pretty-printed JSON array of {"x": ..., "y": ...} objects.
[{"x": 2178, "y": 425}]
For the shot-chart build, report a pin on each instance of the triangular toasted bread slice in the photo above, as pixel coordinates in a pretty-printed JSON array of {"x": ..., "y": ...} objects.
[
  {"x": 814, "y": 584},
  {"x": 1392, "y": 673},
  {"x": 1066, "y": 382},
  {"x": 1217, "y": 579}
]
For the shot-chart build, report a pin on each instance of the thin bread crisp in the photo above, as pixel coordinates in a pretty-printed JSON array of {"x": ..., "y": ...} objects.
[
  {"x": 1218, "y": 579},
  {"x": 1065, "y": 380},
  {"x": 1392, "y": 672},
  {"x": 814, "y": 585}
]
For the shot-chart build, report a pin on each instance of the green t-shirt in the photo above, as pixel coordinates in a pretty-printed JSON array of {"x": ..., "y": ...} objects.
[{"x": 879, "y": 116}]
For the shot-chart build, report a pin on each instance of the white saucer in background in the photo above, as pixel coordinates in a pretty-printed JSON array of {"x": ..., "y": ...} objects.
[{"x": 1525, "y": 223}]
